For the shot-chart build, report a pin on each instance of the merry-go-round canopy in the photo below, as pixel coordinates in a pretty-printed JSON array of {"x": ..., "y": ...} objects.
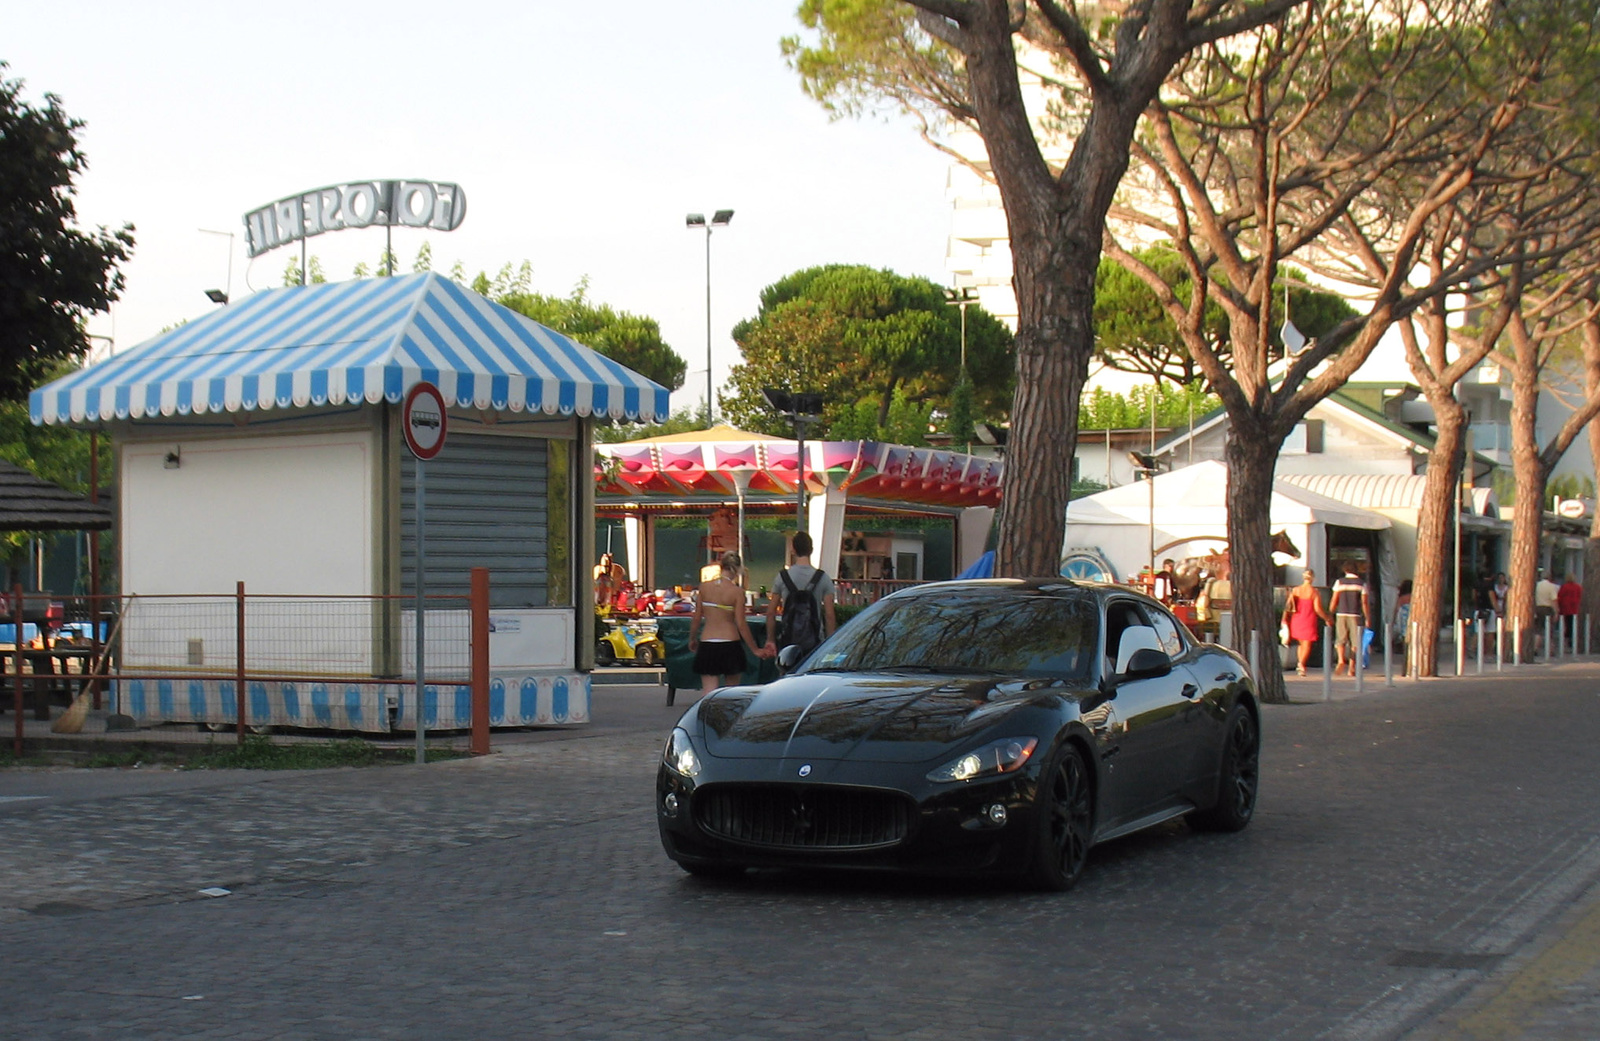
[
  {"x": 722, "y": 464},
  {"x": 368, "y": 340}
]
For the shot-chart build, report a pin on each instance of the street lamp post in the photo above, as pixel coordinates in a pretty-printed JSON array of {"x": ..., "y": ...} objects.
[
  {"x": 962, "y": 298},
  {"x": 719, "y": 219},
  {"x": 801, "y": 409},
  {"x": 224, "y": 295},
  {"x": 1148, "y": 465}
]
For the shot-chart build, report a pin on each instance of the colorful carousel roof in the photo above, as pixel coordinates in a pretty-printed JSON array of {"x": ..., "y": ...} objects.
[{"x": 722, "y": 462}]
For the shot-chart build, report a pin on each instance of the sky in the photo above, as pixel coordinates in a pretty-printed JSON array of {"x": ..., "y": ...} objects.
[{"x": 580, "y": 133}]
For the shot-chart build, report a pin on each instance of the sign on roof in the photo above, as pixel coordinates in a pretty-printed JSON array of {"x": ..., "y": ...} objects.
[{"x": 359, "y": 204}]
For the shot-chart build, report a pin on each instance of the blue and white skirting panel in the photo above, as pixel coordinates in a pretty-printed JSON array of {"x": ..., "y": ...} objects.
[{"x": 516, "y": 699}]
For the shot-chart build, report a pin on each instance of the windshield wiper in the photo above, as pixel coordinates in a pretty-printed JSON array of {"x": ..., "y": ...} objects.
[{"x": 943, "y": 670}]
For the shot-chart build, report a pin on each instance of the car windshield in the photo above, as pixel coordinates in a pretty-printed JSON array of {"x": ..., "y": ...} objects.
[{"x": 983, "y": 631}]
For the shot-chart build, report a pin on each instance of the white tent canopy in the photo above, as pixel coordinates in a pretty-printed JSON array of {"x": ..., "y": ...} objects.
[{"x": 1190, "y": 506}]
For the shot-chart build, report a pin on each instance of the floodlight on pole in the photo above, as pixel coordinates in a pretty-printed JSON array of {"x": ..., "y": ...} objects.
[
  {"x": 801, "y": 409},
  {"x": 1149, "y": 466},
  {"x": 227, "y": 290},
  {"x": 694, "y": 222},
  {"x": 962, "y": 298}
]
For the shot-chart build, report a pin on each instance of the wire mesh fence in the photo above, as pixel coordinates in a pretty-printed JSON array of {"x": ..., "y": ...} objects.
[{"x": 327, "y": 664}]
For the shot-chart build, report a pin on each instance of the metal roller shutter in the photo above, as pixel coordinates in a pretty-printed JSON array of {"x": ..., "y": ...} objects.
[{"x": 486, "y": 507}]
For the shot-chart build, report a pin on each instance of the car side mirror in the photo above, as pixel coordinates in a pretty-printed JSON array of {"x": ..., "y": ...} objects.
[
  {"x": 789, "y": 657},
  {"x": 1148, "y": 663}
]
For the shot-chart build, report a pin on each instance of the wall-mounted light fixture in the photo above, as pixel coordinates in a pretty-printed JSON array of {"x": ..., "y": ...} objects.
[{"x": 174, "y": 458}]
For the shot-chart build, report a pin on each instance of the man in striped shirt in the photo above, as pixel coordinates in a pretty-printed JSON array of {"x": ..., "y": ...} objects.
[{"x": 1351, "y": 608}]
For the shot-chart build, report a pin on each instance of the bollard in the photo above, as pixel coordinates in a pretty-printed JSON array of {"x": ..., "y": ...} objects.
[
  {"x": 1461, "y": 647},
  {"x": 1499, "y": 644},
  {"x": 1547, "y": 638},
  {"x": 1327, "y": 663},
  {"x": 1411, "y": 654},
  {"x": 1388, "y": 662},
  {"x": 1516, "y": 642},
  {"x": 1255, "y": 654},
  {"x": 1588, "y": 621},
  {"x": 1478, "y": 631},
  {"x": 1358, "y": 666}
]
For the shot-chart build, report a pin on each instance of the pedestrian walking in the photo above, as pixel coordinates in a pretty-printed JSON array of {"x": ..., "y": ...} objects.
[
  {"x": 1304, "y": 616},
  {"x": 1351, "y": 609},
  {"x": 719, "y": 631},
  {"x": 1545, "y": 593},
  {"x": 806, "y": 596}
]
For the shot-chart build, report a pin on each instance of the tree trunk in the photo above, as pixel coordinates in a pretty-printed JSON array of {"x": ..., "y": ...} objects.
[
  {"x": 1052, "y": 366},
  {"x": 1591, "y": 549},
  {"x": 1527, "y": 527},
  {"x": 1436, "y": 531},
  {"x": 1252, "y": 459}
]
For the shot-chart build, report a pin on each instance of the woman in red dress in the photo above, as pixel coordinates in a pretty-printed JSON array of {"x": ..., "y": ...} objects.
[{"x": 1304, "y": 614}]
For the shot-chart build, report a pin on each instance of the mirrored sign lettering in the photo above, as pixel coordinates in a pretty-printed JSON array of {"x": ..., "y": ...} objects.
[{"x": 359, "y": 204}]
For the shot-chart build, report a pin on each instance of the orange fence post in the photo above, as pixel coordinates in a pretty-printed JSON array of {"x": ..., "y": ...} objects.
[
  {"x": 480, "y": 661},
  {"x": 238, "y": 681}
]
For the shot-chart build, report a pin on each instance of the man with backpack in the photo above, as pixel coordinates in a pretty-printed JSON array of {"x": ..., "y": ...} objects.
[{"x": 806, "y": 594}]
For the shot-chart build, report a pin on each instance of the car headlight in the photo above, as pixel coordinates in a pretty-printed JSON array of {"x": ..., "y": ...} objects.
[
  {"x": 997, "y": 757},
  {"x": 679, "y": 754}
]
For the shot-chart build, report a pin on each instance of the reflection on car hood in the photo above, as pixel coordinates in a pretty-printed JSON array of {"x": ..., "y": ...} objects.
[{"x": 878, "y": 717}]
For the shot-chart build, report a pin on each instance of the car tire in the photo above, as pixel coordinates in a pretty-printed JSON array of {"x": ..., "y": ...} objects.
[
  {"x": 604, "y": 656},
  {"x": 1238, "y": 776},
  {"x": 644, "y": 655},
  {"x": 1064, "y": 808}
]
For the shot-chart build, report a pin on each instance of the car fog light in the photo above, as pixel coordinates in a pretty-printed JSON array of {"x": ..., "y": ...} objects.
[
  {"x": 670, "y": 804},
  {"x": 996, "y": 813}
]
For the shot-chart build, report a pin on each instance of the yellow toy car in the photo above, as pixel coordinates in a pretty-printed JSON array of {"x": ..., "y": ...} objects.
[{"x": 630, "y": 643}]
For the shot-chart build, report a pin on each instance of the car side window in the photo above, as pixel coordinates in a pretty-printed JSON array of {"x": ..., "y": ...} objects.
[
  {"x": 1120, "y": 615},
  {"x": 1167, "y": 632}
]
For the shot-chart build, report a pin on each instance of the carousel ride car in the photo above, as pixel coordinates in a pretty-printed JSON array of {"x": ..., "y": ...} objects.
[
  {"x": 635, "y": 641},
  {"x": 972, "y": 727}
]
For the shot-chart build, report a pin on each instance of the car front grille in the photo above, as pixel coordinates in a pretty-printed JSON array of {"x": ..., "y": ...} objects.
[{"x": 799, "y": 817}]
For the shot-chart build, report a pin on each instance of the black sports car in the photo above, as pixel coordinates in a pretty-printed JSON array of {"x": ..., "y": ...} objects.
[{"x": 998, "y": 726}]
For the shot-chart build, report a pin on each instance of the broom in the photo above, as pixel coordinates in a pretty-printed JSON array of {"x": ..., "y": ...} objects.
[{"x": 71, "y": 721}]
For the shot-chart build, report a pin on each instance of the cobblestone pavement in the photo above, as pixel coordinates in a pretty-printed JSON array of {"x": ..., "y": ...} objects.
[{"x": 1423, "y": 864}]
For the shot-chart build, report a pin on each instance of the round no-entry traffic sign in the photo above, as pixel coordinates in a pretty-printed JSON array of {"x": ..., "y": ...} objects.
[{"x": 422, "y": 417}]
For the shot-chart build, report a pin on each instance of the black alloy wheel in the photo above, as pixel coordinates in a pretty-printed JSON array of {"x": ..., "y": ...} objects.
[
  {"x": 1065, "y": 810},
  {"x": 1239, "y": 777}
]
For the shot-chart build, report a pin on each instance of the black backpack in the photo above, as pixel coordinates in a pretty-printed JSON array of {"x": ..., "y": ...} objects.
[{"x": 802, "y": 616}]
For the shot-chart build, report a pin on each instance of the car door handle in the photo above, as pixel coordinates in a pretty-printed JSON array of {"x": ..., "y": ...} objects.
[
  {"x": 1228, "y": 677},
  {"x": 1190, "y": 690}
]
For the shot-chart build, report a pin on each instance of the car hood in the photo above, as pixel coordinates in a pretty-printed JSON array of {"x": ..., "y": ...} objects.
[{"x": 876, "y": 717}]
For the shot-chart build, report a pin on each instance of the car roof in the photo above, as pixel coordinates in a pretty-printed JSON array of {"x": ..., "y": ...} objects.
[{"x": 1046, "y": 585}]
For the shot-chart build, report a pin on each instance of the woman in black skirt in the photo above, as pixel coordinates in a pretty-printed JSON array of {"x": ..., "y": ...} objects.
[{"x": 718, "y": 633}]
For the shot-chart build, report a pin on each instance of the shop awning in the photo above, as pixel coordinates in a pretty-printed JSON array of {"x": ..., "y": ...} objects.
[{"x": 369, "y": 340}]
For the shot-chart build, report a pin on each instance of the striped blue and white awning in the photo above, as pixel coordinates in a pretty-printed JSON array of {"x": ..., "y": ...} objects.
[{"x": 370, "y": 340}]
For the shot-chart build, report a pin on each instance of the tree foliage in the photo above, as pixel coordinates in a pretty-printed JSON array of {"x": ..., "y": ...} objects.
[
  {"x": 1135, "y": 333},
  {"x": 633, "y": 340},
  {"x": 864, "y": 339},
  {"x": 1174, "y": 406},
  {"x": 53, "y": 275},
  {"x": 962, "y": 61}
]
